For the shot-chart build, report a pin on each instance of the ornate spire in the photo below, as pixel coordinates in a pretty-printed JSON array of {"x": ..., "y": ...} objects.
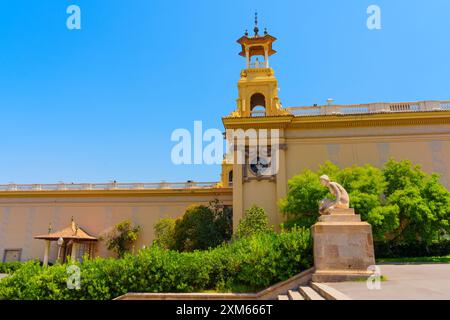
[{"x": 256, "y": 29}]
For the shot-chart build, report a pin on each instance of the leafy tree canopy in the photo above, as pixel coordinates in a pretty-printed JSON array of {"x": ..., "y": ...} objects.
[
  {"x": 122, "y": 238},
  {"x": 401, "y": 202}
]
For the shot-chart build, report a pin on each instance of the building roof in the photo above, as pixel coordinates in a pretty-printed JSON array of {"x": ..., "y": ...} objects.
[
  {"x": 256, "y": 45},
  {"x": 72, "y": 233}
]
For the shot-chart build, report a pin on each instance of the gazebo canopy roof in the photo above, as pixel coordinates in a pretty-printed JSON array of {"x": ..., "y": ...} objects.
[{"x": 70, "y": 233}]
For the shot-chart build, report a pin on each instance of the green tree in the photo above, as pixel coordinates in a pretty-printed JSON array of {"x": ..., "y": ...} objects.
[
  {"x": 255, "y": 221},
  {"x": 165, "y": 233},
  {"x": 202, "y": 227},
  {"x": 122, "y": 238},
  {"x": 401, "y": 202},
  {"x": 303, "y": 197},
  {"x": 423, "y": 203}
]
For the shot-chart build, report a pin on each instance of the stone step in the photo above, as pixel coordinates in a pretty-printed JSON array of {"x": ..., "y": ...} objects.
[
  {"x": 328, "y": 292},
  {"x": 295, "y": 295},
  {"x": 283, "y": 297},
  {"x": 309, "y": 294}
]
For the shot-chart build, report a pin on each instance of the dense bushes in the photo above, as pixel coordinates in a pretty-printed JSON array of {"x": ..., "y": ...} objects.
[
  {"x": 252, "y": 262},
  {"x": 122, "y": 238},
  {"x": 255, "y": 221},
  {"x": 420, "y": 249},
  {"x": 165, "y": 233},
  {"x": 200, "y": 228},
  {"x": 9, "y": 267},
  {"x": 403, "y": 204}
]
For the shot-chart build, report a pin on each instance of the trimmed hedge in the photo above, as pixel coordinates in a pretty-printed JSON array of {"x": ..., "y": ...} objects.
[
  {"x": 418, "y": 249},
  {"x": 255, "y": 262}
]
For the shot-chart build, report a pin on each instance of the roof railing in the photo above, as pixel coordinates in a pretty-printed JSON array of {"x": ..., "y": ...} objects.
[
  {"x": 107, "y": 186},
  {"x": 369, "y": 108}
]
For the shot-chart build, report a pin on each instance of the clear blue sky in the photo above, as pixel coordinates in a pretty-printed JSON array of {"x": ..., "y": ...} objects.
[{"x": 100, "y": 103}]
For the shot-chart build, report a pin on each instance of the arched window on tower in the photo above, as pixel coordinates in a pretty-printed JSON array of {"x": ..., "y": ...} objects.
[
  {"x": 258, "y": 105},
  {"x": 230, "y": 178}
]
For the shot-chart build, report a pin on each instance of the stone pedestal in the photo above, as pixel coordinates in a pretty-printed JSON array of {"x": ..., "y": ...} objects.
[{"x": 343, "y": 247}]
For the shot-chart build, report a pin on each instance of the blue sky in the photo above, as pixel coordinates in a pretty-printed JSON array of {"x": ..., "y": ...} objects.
[{"x": 100, "y": 103}]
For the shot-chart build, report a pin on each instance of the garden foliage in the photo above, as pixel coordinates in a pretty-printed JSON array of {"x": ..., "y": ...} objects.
[
  {"x": 403, "y": 204},
  {"x": 252, "y": 262}
]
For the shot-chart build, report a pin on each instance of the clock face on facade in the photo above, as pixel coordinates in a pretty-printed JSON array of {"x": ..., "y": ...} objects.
[{"x": 260, "y": 166}]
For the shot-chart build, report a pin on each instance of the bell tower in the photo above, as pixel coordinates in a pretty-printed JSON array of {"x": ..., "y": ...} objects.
[
  {"x": 258, "y": 87},
  {"x": 258, "y": 177}
]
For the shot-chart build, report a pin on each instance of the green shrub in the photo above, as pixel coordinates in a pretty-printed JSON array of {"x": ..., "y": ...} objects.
[
  {"x": 392, "y": 250},
  {"x": 254, "y": 221},
  {"x": 165, "y": 233},
  {"x": 10, "y": 267},
  {"x": 122, "y": 238},
  {"x": 202, "y": 227},
  {"x": 252, "y": 262}
]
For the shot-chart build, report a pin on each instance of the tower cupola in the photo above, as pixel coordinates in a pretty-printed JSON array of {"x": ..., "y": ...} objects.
[
  {"x": 257, "y": 45},
  {"x": 258, "y": 87}
]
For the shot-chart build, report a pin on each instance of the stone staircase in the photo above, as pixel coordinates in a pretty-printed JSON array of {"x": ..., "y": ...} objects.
[{"x": 313, "y": 291}]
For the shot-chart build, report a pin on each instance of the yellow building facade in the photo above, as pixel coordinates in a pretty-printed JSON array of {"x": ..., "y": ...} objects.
[{"x": 307, "y": 137}]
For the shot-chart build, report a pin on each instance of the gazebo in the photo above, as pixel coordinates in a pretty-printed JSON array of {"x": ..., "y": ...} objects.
[{"x": 70, "y": 239}]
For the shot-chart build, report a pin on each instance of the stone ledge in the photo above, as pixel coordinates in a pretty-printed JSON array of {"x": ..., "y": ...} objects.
[
  {"x": 269, "y": 293},
  {"x": 340, "y": 218},
  {"x": 340, "y": 275}
]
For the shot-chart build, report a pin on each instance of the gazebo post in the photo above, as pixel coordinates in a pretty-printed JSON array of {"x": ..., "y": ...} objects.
[
  {"x": 60, "y": 243},
  {"x": 73, "y": 256},
  {"x": 46, "y": 252}
]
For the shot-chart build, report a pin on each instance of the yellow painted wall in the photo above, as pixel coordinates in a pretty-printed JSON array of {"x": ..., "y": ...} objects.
[
  {"x": 22, "y": 218},
  {"x": 263, "y": 194}
]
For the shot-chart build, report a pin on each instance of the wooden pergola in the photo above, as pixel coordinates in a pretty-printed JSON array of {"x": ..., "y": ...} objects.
[{"x": 69, "y": 240}]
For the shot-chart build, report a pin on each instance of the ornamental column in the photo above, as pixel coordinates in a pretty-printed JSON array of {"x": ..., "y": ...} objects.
[{"x": 46, "y": 252}]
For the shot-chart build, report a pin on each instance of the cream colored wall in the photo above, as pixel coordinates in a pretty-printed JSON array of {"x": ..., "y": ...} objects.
[
  {"x": 428, "y": 146},
  {"x": 263, "y": 194},
  {"x": 22, "y": 218}
]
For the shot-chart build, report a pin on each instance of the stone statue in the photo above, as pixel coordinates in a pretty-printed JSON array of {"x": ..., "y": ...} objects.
[{"x": 342, "y": 198}]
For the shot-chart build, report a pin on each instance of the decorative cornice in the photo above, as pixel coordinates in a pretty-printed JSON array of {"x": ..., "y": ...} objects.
[
  {"x": 372, "y": 120},
  {"x": 279, "y": 122},
  {"x": 339, "y": 121},
  {"x": 271, "y": 178}
]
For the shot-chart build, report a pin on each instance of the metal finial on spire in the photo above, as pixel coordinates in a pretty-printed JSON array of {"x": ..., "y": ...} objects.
[
  {"x": 246, "y": 33},
  {"x": 265, "y": 31},
  {"x": 256, "y": 29}
]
